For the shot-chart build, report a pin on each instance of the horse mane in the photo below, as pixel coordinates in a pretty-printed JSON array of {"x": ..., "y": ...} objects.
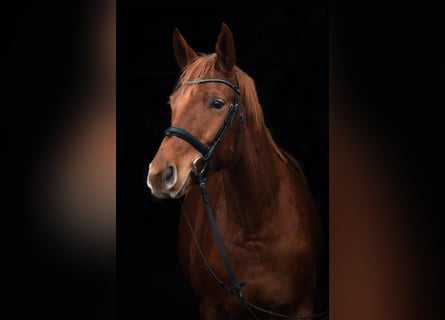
[{"x": 200, "y": 67}]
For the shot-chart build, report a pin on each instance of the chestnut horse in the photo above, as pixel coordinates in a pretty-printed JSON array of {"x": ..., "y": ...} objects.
[{"x": 251, "y": 215}]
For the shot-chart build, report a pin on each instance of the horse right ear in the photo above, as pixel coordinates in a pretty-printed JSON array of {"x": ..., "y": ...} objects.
[{"x": 184, "y": 54}]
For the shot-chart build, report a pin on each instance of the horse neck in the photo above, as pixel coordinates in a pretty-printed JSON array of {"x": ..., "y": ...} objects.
[{"x": 252, "y": 181}]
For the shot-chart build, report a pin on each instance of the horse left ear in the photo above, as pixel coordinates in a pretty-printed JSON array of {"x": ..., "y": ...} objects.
[{"x": 225, "y": 50}]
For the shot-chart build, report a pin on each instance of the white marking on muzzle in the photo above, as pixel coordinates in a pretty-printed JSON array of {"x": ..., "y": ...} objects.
[{"x": 148, "y": 178}]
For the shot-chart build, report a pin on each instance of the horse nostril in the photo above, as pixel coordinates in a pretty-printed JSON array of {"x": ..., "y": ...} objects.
[{"x": 169, "y": 176}]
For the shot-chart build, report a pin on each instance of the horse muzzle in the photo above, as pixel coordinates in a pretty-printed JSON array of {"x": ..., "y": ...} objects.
[{"x": 162, "y": 180}]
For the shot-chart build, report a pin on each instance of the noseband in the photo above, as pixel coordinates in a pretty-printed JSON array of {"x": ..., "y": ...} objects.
[{"x": 201, "y": 164}]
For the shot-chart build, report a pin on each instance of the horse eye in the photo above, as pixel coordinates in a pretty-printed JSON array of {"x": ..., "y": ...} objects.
[{"x": 217, "y": 104}]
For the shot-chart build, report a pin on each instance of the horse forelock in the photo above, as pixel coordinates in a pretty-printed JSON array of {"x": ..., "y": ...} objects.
[{"x": 198, "y": 69}]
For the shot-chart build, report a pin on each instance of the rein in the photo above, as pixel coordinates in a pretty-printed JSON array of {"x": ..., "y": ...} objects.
[
  {"x": 200, "y": 172},
  {"x": 236, "y": 285}
]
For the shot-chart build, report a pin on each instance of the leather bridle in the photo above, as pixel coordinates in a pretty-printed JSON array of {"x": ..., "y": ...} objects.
[
  {"x": 200, "y": 170},
  {"x": 207, "y": 151}
]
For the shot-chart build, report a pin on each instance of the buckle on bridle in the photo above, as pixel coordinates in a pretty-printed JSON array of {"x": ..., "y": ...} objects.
[{"x": 199, "y": 166}]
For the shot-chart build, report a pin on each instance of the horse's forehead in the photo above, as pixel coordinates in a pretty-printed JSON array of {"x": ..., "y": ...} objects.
[{"x": 182, "y": 95}]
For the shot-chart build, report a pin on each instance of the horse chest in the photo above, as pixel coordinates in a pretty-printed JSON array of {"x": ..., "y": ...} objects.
[{"x": 253, "y": 261}]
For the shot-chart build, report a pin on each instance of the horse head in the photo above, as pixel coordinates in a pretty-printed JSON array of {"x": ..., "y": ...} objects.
[{"x": 203, "y": 106}]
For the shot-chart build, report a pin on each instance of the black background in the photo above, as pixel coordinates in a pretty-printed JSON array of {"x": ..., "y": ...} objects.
[
  {"x": 286, "y": 53},
  {"x": 389, "y": 56}
]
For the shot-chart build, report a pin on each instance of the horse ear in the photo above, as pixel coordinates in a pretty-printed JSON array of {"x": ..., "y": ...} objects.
[
  {"x": 184, "y": 54},
  {"x": 225, "y": 49}
]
